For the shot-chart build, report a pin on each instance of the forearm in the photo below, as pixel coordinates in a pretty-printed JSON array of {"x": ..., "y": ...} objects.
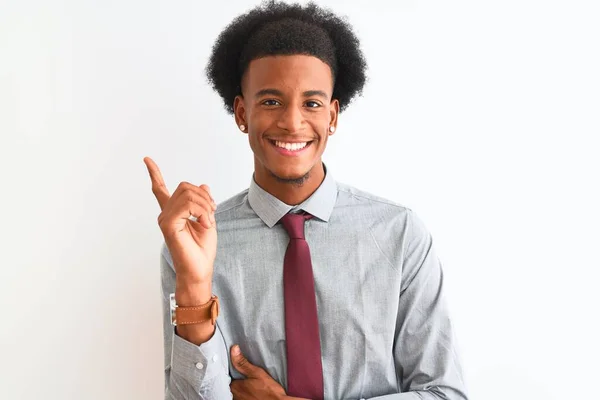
[
  {"x": 420, "y": 395},
  {"x": 197, "y": 368},
  {"x": 185, "y": 384},
  {"x": 425, "y": 347},
  {"x": 198, "y": 371},
  {"x": 433, "y": 394},
  {"x": 189, "y": 295}
]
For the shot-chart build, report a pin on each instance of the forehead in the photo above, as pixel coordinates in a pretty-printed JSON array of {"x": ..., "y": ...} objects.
[{"x": 288, "y": 73}]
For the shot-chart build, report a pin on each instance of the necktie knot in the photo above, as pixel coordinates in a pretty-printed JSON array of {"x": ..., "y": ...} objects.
[{"x": 294, "y": 224}]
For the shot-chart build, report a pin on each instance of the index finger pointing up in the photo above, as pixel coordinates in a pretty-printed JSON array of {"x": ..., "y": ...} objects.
[{"x": 158, "y": 184}]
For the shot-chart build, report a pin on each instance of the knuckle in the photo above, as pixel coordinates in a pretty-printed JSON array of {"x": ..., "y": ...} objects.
[
  {"x": 189, "y": 198},
  {"x": 195, "y": 198},
  {"x": 206, "y": 191},
  {"x": 156, "y": 188},
  {"x": 182, "y": 185},
  {"x": 188, "y": 191}
]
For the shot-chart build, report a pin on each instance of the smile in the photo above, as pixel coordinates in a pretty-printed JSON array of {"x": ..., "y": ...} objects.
[{"x": 287, "y": 148}]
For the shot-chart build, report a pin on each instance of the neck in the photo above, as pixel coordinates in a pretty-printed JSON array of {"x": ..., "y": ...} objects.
[{"x": 289, "y": 192}]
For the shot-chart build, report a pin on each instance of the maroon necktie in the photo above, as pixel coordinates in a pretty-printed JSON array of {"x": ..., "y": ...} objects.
[{"x": 304, "y": 369}]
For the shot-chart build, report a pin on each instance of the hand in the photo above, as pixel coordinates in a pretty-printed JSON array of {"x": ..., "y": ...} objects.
[
  {"x": 192, "y": 244},
  {"x": 258, "y": 385}
]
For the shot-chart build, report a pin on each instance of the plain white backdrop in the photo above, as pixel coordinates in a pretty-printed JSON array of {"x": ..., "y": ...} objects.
[{"x": 481, "y": 116}]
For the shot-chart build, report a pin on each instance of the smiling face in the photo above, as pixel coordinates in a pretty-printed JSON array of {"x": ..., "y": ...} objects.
[{"x": 287, "y": 110}]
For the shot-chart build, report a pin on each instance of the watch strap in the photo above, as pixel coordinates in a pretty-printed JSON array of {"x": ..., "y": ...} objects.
[{"x": 197, "y": 314}]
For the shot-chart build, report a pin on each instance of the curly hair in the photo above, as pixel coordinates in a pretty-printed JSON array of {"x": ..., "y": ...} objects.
[{"x": 278, "y": 28}]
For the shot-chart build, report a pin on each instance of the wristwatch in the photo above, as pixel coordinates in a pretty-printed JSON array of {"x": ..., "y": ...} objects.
[{"x": 196, "y": 314}]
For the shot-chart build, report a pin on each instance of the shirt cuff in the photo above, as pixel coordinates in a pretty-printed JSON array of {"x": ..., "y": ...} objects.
[{"x": 198, "y": 365}]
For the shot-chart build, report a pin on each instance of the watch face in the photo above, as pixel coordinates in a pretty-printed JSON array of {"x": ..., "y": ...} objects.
[{"x": 172, "y": 308}]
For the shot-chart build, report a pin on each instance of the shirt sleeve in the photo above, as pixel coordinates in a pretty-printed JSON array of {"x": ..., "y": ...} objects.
[
  {"x": 191, "y": 372},
  {"x": 425, "y": 353}
]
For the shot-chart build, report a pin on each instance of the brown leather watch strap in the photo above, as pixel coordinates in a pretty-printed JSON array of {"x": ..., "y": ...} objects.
[{"x": 198, "y": 314}]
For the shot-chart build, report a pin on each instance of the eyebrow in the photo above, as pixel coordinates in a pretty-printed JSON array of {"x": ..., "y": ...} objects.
[
  {"x": 317, "y": 93},
  {"x": 276, "y": 92}
]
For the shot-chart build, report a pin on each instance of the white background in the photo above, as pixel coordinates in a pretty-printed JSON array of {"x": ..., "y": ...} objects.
[{"x": 481, "y": 116}]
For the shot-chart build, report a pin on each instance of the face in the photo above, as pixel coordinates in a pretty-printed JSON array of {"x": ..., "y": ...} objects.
[{"x": 287, "y": 109}]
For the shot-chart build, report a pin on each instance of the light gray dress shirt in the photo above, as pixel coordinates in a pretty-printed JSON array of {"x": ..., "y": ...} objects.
[{"x": 384, "y": 326}]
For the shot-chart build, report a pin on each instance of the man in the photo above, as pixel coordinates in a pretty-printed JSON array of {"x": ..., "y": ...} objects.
[{"x": 330, "y": 292}]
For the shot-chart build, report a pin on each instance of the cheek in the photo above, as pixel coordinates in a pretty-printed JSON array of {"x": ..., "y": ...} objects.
[
  {"x": 259, "y": 117},
  {"x": 320, "y": 124},
  {"x": 254, "y": 143},
  {"x": 260, "y": 123}
]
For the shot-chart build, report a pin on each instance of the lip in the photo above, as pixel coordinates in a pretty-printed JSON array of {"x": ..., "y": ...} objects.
[
  {"x": 290, "y": 140},
  {"x": 291, "y": 153}
]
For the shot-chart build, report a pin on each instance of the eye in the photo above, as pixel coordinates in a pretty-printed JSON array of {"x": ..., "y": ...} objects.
[
  {"x": 312, "y": 104},
  {"x": 271, "y": 102}
]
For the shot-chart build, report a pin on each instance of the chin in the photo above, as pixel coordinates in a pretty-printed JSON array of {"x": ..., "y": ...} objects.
[{"x": 290, "y": 174}]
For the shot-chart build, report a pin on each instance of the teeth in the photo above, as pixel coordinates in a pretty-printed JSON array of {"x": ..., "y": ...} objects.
[{"x": 291, "y": 146}]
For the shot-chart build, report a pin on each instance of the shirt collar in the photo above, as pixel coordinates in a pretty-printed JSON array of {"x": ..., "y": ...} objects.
[{"x": 270, "y": 209}]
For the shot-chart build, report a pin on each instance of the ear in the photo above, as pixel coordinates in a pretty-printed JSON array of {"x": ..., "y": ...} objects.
[
  {"x": 334, "y": 110},
  {"x": 239, "y": 112}
]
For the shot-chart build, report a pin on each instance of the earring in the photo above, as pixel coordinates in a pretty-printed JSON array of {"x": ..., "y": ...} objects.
[
  {"x": 242, "y": 128},
  {"x": 332, "y": 129}
]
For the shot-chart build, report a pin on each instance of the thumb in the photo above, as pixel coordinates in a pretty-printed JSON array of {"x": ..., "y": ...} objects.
[{"x": 241, "y": 363}]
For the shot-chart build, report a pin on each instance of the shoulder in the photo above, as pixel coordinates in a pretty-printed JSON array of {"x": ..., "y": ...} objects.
[
  {"x": 379, "y": 210},
  {"x": 349, "y": 195},
  {"x": 232, "y": 203}
]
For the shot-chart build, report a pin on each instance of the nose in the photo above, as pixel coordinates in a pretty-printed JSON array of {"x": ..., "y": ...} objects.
[{"x": 291, "y": 118}]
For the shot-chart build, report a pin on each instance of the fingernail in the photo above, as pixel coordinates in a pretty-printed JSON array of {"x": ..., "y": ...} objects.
[{"x": 236, "y": 350}]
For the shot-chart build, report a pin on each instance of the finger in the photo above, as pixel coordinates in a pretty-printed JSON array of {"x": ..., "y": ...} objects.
[
  {"x": 191, "y": 204},
  {"x": 207, "y": 189},
  {"x": 242, "y": 364},
  {"x": 235, "y": 388},
  {"x": 158, "y": 184},
  {"x": 183, "y": 186}
]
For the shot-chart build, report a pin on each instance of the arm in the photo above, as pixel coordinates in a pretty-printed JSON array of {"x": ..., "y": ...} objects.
[
  {"x": 425, "y": 353},
  {"x": 195, "y": 367}
]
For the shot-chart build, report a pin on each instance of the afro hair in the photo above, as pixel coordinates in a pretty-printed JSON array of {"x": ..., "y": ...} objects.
[{"x": 278, "y": 28}]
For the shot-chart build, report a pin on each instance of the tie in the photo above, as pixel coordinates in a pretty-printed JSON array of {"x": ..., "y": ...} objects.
[{"x": 304, "y": 369}]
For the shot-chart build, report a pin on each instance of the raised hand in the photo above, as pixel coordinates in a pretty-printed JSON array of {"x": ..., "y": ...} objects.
[{"x": 192, "y": 244}]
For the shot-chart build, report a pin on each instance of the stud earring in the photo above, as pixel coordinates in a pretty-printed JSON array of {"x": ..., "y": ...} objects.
[
  {"x": 242, "y": 127},
  {"x": 332, "y": 129}
]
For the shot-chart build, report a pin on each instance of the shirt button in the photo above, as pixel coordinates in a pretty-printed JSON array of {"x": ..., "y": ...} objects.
[
  {"x": 215, "y": 358},
  {"x": 199, "y": 365}
]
